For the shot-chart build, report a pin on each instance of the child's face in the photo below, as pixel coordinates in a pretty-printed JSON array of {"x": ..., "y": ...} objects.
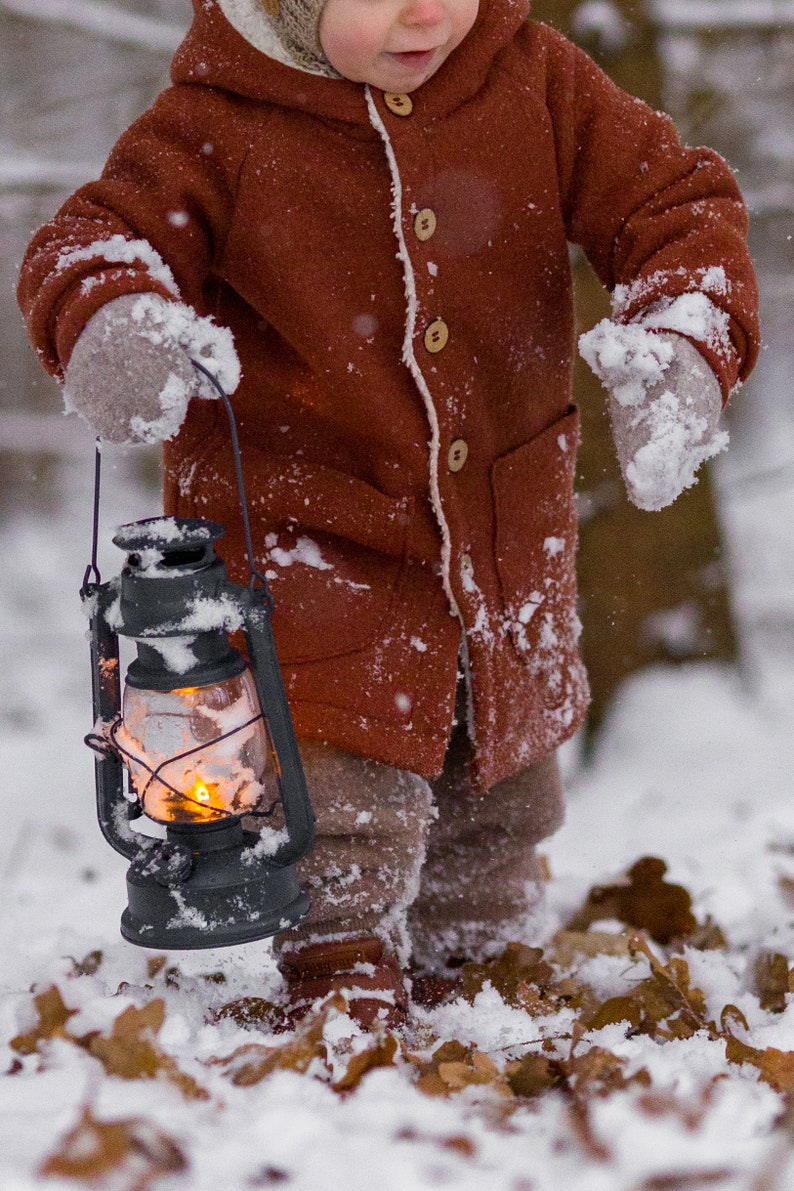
[{"x": 396, "y": 45}]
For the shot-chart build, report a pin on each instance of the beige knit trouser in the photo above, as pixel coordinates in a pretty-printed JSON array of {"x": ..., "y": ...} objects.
[{"x": 435, "y": 869}]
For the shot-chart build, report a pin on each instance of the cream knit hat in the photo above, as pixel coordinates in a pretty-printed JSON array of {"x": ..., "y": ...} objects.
[{"x": 297, "y": 23}]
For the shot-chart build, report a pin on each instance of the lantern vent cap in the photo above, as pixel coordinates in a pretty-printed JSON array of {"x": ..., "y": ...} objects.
[{"x": 167, "y": 533}]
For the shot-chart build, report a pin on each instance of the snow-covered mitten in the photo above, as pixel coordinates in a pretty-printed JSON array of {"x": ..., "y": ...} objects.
[
  {"x": 665, "y": 403},
  {"x": 130, "y": 375}
]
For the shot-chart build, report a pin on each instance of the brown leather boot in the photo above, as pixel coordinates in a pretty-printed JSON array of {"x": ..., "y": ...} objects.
[{"x": 362, "y": 968}]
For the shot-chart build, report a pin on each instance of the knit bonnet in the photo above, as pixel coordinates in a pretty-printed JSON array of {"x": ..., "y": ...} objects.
[{"x": 297, "y": 23}]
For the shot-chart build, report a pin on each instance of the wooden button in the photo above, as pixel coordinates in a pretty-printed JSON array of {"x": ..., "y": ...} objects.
[
  {"x": 397, "y": 103},
  {"x": 436, "y": 335},
  {"x": 458, "y": 454},
  {"x": 425, "y": 223}
]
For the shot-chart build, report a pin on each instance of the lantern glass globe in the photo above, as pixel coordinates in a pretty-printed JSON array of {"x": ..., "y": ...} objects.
[{"x": 197, "y": 754}]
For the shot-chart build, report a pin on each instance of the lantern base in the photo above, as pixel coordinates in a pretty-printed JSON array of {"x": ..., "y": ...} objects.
[{"x": 223, "y": 895}]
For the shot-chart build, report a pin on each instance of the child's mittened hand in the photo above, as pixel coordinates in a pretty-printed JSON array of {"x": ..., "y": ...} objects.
[
  {"x": 130, "y": 375},
  {"x": 665, "y": 404}
]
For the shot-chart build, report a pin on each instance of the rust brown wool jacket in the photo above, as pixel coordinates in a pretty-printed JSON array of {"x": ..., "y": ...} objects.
[{"x": 396, "y": 276}]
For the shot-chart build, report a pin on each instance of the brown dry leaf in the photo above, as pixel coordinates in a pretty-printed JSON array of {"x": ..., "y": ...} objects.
[
  {"x": 53, "y": 1016},
  {"x": 247, "y": 1065},
  {"x": 251, "y": 1063},
  {"x": 521, "y": 976},
  {"x": 251, "y": 1011},
  {"x": 533, "y": 1074},
  {"x": 732, "y": 1015},
  {"x": 86, "y": 966},
  {"x": 776, "y": 1066},
  {"x": 571, "y": 946},
  {"x": 459, "y": 1144},
  {"x": 671, "y": 982},
  {"x": 599, "y": 1072},
  {"x": 517, "y": 967},
  {"x": 381, "y": 1054},
  {"x": 707, "y": 936},
  {"x": 476, "y": 1069},
  {"x": 772, "y": 980},
  {"x": 582, "y": 1128},
  {"x": 664, "y": 1005},
  {"x": 453, "y": 1066},
  {"x": 680, "y": 1180},
  {"x": 131, "y": 1051},
  {"x": 155, "y": 965},
  {"x": 644, "y": 900},
  {"x": 93, "y": 1149},
  {"x": 619, "y": 1009}
]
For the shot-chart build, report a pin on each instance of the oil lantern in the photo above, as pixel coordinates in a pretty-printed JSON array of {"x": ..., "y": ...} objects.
[{"x": 197, "y": 738}]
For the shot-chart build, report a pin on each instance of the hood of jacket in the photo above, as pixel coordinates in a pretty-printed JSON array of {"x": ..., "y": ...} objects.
[{"x": 232, "y": 45}]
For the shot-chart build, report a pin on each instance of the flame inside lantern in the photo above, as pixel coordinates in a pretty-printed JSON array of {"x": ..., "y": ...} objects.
[{"x": 196, "y": 754}]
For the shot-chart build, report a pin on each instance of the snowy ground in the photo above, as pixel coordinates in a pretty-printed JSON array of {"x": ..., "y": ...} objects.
[{"x": 695, "y": 766}]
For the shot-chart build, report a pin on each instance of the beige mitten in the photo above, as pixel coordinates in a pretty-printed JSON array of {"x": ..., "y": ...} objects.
[
  {"x": 130, "y": 375},
  {"x": 664, "y": 403}
]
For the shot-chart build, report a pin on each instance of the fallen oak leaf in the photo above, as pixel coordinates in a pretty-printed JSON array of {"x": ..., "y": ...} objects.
[
  {"x": 582, "y": 1127},
  {"x": 476, "y": 1070},
  {"x": 93, "y": 1149},
  {"x": 600, "y": 1072},
  {"x": 251, "y": 1063},
  {"x": 53, "y": 1016},
  {"x": 672, "y": 981},
  {"x": 86, "y": 966},
  {"x": 514, "y": 973},
  {"x": 772, "y": 980},
  {"x": 381, "y": 1054},
  {"x": 679, "y": 1180},
  {"x": 568, "y": 946},
  {"x": 252, "y": 1012},
  {"x": 776, "y": 1067},
  {"x": 131, "y": 1052},
  {"x": 533, "y": 1074},
  {"x": 643, "y": 900},
  {"x": 453, "y": 1067}
]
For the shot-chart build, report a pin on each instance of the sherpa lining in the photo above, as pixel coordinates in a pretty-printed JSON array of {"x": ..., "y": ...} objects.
[{"x": 251, "y": 21}]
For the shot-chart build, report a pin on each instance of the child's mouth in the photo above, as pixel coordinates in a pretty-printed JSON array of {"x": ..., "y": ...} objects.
[{"x": 414, "y": 59}]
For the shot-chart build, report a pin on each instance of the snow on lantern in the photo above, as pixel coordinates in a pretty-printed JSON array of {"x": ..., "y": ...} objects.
[{"x": 205, "y": 738}]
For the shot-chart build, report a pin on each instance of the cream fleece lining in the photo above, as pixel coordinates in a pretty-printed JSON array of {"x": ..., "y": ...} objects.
[{"x": 251, "y": 21}]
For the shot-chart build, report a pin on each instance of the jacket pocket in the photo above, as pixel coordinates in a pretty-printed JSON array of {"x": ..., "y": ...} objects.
[{"x": 535, "y": 547}]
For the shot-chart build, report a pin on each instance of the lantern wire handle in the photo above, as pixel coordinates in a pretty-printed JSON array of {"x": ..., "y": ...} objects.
[
  {"x": 92, "y": 577},
  {"x": 257, "y": 578}
]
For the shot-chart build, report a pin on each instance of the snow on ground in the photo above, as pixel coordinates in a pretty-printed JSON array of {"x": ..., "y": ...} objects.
[{"x": 695, "y": 766}]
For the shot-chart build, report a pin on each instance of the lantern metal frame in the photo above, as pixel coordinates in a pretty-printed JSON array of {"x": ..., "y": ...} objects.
[{"x": 206, "y": 884}]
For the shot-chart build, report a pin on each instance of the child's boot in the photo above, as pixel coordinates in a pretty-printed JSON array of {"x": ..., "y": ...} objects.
[{"x": 363, "y": 969}]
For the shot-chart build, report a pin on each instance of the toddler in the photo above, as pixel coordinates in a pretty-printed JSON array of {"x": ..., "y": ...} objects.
[{"x": 357, "y": 214}]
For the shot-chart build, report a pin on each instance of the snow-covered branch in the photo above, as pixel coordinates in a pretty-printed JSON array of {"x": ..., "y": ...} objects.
[{"x": 99, "y": 19}]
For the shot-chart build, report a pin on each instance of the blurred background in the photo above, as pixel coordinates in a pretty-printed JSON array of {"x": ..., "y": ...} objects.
[{"x": 712, "y": 578}]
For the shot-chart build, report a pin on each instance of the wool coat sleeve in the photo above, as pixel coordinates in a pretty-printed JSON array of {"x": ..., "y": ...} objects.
[
  {"x": 655, "y": 218},
  {"x": 165, "y": 195}
]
